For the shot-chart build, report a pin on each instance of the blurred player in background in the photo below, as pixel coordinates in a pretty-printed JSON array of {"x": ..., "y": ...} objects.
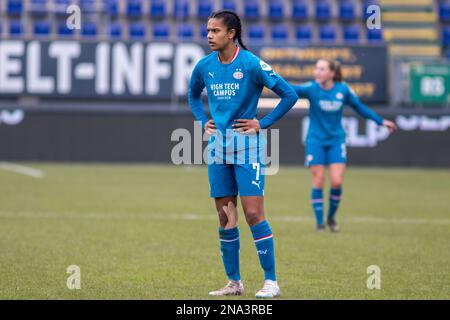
[
  {"x": 234, "y": 79},
  {"x": 325, "y": 140}
]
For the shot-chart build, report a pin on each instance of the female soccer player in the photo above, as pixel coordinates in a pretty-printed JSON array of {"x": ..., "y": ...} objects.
[
  {"x": 234, "y": 79},
  {"x": 325, "y": 140}
]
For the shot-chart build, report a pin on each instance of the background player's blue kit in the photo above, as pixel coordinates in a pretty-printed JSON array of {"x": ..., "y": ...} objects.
[{"x": 325, "y": 140}]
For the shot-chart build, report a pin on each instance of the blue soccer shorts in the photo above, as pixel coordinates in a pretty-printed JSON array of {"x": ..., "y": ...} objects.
[
  {"x": 230, "y": 179},
  {"x": 236, "y": 168},
  {"x": 317, "y": 154}
]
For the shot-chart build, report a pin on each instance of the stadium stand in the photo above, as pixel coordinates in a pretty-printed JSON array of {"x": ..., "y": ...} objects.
[
  {"x": 158, "y": 9},
  {"x": 351, "y": 34},
  {"x": 38, "y": 7},
  {"x": 161, "y": 31},
  {"x": 114, "y": 30},
  {"x": 303, "y": 34},
  {"x": 15, "y": 28},
  {"x": 414, "y": 27},
  {"x": 42, "y": 28},
  {"x": 299, "y": 10}
]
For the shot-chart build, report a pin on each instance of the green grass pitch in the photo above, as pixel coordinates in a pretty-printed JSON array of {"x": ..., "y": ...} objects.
[{"x": 150, "y": 232}]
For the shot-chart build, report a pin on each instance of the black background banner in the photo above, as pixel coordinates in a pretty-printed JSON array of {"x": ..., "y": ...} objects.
[
  {"x": 422, "y": 139},
  {"x": 73, "y": 69},
  {"x": 161, "y": 71},
  {"x": 364, "y": 67}
]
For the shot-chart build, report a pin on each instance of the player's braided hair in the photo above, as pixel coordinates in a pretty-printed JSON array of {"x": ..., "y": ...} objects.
[{"x": 232, "y": 21}]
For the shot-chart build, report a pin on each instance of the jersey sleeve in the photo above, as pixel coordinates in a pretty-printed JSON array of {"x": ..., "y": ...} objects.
[
  {"x": 353, "y": 101},
  {"x": 288, "y": 99},
  {"x": 263, "y": 74},
  {"x": 196, "y": 86},
  {"x": 302, "y": 90}
]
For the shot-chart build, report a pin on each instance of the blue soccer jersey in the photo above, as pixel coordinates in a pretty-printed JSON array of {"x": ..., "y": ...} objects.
[
  {"x": 326, "y": 108},
  {"x": 233, "y": 92},
  {"x": 233, "y": 89}
]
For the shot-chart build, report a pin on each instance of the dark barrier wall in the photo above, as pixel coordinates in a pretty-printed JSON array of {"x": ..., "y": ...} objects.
[
  {"x": 423, "y": 139},
  {"x": 363, "y": 67},
  {"x": 161, "y": 70}
]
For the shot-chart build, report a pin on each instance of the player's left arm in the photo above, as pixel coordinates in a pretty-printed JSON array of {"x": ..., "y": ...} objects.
[
  {"x": 355, "y": 103},
  {"x": 288, "y": 100},
  {"x": 267, "y": 77}
]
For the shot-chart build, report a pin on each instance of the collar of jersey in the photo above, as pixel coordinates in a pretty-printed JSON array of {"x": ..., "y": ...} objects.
[
  {"x": 327, "y": 90},
  {"x": 238, "y": 49}
]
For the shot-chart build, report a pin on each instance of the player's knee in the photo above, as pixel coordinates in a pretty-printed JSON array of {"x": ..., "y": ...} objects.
[
  {"x": 318, "y": 180},
  {"x": 336, "y": 182},
  {"x": 318, "y": 184},
  {"x": 253, "y": 217}
]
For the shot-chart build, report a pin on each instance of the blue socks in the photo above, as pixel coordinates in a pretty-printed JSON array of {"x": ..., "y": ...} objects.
[
  {"x": 229, "y": 247},
  {"x": 317, "y": 204},
  {"x": 335, "y": 198},
  {"x": 262, "y": 234}
]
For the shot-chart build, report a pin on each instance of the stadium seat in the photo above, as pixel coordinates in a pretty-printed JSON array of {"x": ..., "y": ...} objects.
[
  {"x": 112, "y": 8},
  {"x": 204, "y": 9},
  {"x": 89, "y": 30},
  {"x": 42, "y": 28},
  {"x": 280, "y": 33},
  {"x": 229, "y": 5},
  {"x": 134, "y": 8},
  {"x": 446, "y": 36},
  {"x": 15, "y": 28},
  {"x": 351, "y": 34},
  {"x": 158, "y": 9},
  {"x": 87, "y": 6},
  {"x": 251, "y": 10},
  {"x": 181, "y": 9},
  {"x": 256, "y": 32},
  {"x": 375, "y": 35},
  {"x": 115, "y": 30},
  {"x": 161, "y": 31},
  {"x": 347, "y": 10},
  {"x": 137, "y": 31},
  {"x": 63, "y": 31},
  {"x": 444, "y": 11},
  {"x": 327, "y": 33},
  {"x": 38, "y": 7},
  {"x": 203, "y": 32},
  {"x": 61, "y": 7},
  {"x": 185, "y": 31},
  {"x": 303, "y": 33},
  {"x": 15, "y": 7},
  {"x": 276, "y": 10},
  {"x": 323, "y": 10},
  {"x": 365, "y": 5},
  {"x": 299, "y": 10}
]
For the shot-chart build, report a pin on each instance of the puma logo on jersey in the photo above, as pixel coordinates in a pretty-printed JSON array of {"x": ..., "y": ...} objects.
[
  {"x": 256, "y": 183},
  {"x": 211, "y": 74}
]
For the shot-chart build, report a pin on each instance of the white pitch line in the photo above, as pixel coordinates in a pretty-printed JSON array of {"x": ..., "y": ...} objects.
[
  {"x": 212, "y": 217},
  {"x": 27, "y": 171}
]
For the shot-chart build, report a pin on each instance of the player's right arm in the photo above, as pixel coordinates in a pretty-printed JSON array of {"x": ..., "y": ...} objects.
[
  {"x": 302, "y": 90},
  {"x": 196, "y": 86}
]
